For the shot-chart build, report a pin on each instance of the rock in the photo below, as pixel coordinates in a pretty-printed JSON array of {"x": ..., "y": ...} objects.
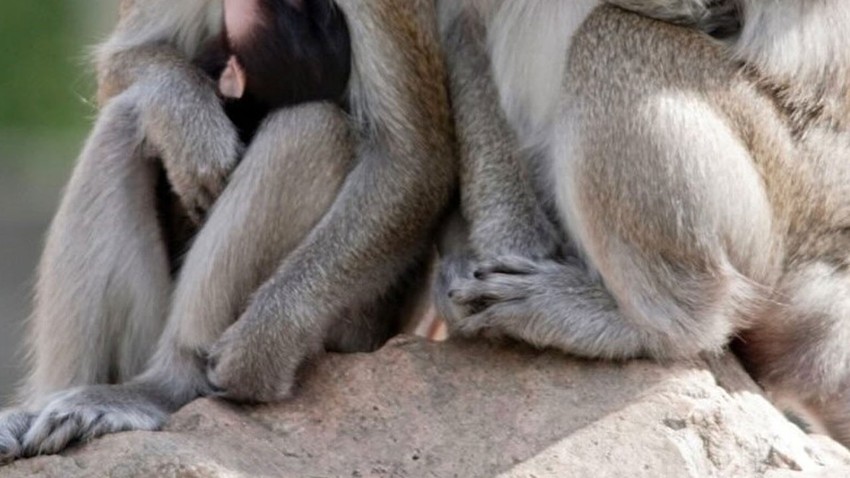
[{"x": 466, "y": 409}]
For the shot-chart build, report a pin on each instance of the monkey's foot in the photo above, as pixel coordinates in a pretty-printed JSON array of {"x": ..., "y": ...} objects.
[
  {"x": 511, "y": 295},
  {"x": 13, "y": 425},
  {"x": 256, "y": 359},
  {"x": 86, "y": 413}
]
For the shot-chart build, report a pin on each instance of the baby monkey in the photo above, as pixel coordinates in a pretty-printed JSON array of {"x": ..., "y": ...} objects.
[
  {"x": 270, "y": 54},
  {"x": 277, "y": 53}
]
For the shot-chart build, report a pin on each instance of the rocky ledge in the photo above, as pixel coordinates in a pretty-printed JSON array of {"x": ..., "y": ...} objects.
[{"x": 467, "y": 409}]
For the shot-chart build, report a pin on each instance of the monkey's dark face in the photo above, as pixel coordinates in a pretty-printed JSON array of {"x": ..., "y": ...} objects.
[
  {"x": 279, "y": 53},
  {"x": 292, "y": 51}
]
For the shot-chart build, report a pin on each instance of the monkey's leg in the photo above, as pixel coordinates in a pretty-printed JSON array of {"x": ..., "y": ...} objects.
[
  {"x": 103, "y": 282},
  {"x": 385, "y": 214},
  {"x": 271, "y": 208},
  {"x": 367, "y": 327},
  {"x": 671, "y": 247},
  {"x": 832, "y": 407},
  {"x": 798, "y": 350},
  {"x": 282, "y": 188},
  {"x": 499, "y": 212},
  {"x": 662, "y": 197},
  {"x": 497, "y": 195}
]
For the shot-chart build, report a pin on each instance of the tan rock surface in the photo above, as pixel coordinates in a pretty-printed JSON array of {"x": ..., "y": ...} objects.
[{"x": 462, "y": 409}]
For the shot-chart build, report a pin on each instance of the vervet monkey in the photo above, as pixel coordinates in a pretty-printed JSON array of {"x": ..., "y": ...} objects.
[
  {"x": 314, "y": 241},
  {"x": 699, "y": 188}
]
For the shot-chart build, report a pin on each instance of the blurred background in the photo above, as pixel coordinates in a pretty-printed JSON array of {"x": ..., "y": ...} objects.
[{"x": 46, "y": 108}]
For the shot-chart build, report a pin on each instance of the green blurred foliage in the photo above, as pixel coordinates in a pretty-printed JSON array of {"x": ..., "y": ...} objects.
[
  {"x": 45, "y": 82},
  {"x": 45, "y": 113},
  {"x": 46, "y": 87}
]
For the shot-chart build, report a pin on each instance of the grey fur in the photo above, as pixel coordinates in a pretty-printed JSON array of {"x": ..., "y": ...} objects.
[
  {"x": 703, "y": 184},
  {"x": 326, "y": 220}
]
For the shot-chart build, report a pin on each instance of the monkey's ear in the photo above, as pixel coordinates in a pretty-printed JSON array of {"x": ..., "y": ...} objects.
[{"x": 231, "y": 84}]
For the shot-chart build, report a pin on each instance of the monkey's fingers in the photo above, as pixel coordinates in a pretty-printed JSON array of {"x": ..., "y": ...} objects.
[
  {"x": 13, "y": 425},
  {"x": 478, "y": 295},
  {"x": 52, "y": 433},
  {"x": 516, "y": 265},
  {"x": 495, "y": 322}
]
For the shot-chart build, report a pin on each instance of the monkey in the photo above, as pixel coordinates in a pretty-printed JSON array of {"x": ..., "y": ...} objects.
[
  {"x": 283, "y": 54},
  {"x": 315, "y": 241},
  {"x": 666, "y": 191},
  {"x": 260, "y": 66}
]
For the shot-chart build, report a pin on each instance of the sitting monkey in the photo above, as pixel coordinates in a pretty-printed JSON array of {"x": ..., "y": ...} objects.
[
  {"x": 699, "y": 184},
  {"x": 316, "y": 240}
]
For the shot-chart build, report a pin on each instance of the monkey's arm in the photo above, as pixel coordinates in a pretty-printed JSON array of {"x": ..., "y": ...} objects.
[
  {"x": 181, "y": 115},
  {"x": 497, "y": 197},
  {"x": 383, "y": 218},
  {"x": 717, "y": 17}
]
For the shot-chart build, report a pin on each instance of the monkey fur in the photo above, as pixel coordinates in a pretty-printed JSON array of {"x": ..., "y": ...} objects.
[
  {"x": 660, "y": 192},
  {"x": 300, "y": 253}
]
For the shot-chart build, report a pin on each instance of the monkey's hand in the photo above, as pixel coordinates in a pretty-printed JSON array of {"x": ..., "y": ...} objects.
[
  {"x": 199, "y": 146},
  {"x": 183, "y": 122},
  {"x": 508, "y": 297},
  {"x": 257, "y": 358}
]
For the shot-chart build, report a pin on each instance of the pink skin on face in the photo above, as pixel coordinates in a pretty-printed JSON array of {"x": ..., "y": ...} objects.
[
  {"x": 240, "y": 17},
  {"x": 232, "y": 82}
]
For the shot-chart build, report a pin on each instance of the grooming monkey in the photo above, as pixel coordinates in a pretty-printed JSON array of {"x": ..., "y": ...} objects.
[
  {"x": 315, "y": 242},
  {"x": 698, "y": 187}
]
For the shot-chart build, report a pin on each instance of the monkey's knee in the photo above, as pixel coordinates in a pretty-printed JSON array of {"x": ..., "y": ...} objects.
[
  {"x": 682, "y": 308},
  {"x": 674, "y": 215}
]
